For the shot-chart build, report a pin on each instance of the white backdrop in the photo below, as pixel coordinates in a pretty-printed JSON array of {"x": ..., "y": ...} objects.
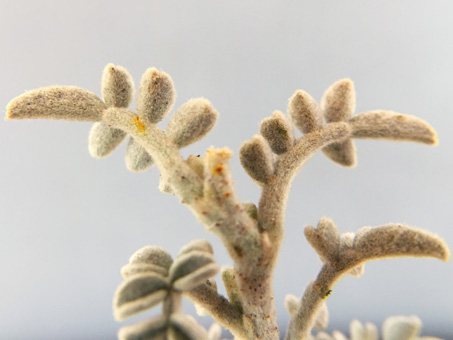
[{"x": 69, "y": 222}]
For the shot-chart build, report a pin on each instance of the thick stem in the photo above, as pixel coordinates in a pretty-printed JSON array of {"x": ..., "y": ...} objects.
[
  {"x": 171, "y": 304},
  {"x": 272, "y": 206}
]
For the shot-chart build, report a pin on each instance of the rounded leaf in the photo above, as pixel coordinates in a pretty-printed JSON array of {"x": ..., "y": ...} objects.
[
  {"x": 305, "y": 112},
  {"x": 104, "y": 139},
  {"x": 150, "y": 329},
  {"x": 117, "y": 86},
  {"x": 278, "y": 132},
  {"x": 139, "y": 293},
  {"x": 196, "y": 245},
  {"x": 148, "y": 259},
  {"x": 338, "y": 102},
  {"x": 257, "y": 159},
  {"x": 401, "y": 328},
  {"x": 191, "y": 122},
  {"x": 57, "y": 102},
  {"x": 192, "y": 269},
  {"x": 156, "y": 95},
  {"x": 343, "y": 153},
  {"x": 137, "y": 158}
]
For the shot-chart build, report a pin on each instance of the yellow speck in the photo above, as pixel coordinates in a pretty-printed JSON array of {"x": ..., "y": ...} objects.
[{"x": 141, "y": 128}]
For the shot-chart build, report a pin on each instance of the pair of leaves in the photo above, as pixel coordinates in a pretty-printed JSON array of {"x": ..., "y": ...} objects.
[
  {"x": 151, "y": 276},
  {"x": 348, "y": 251}
]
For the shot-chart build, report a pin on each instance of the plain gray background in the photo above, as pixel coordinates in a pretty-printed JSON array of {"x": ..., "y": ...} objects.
[{"x": 69, "y": 222}]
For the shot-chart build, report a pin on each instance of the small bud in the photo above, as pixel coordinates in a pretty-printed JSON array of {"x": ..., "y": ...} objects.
[
  {"x": 104, "y": 139},
  {"x": 196, "y": 164},
  {"x": 139, "y": 293},
  {"x": 117, "y": 86},
  {"x": 191, "y": 122},
  {"x": 278, "y": 132},
  {"x": 137, "y": 158},
  {"x": 229, "y": 277},
  {"x": 338, "y": 102},
  {"x": 257, "y": 159},
  {"x": 382, "y": 124},
  {"x": 156, "y": 95},
  {"x": 57, "y": 102},
  {"x": 304, "y": 112},
  {"x": 325, "y": 239}
]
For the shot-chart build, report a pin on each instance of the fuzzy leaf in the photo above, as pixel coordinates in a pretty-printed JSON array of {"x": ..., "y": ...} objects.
[
  {"x": 151, "y": 329},
  {"x": 148, "y": 259},
  {"x": 401, "y": 328},
  {"x": 139, "y": 293},
  {"x": 395, "y": 240},
  {"x": 57, "y": 102},
  {"x": 304, "y": 112},
  {"x": 278, "y": 132},
  {"x": 257, "y": 159},
  {"x": 197, "y": 245},
  {"x": 360, "y": 332},
  {"x": 382, "y": 124},
  {"x": 104, "y": 139},
  {"x": 156, "y": 95},
  {"x": 322, "y": 318},
  {"x": 184, "y": 327},
  {"x": 215, "y": 331},
  {"x": 137, "y": 158},
  {"x": 191, "y": 122},
  {"x": 325, "y": 239},
  {"x": 231, "y": 287},
  {"x": 117, "y": 86},
  {"x": 192, "y": 269},
  {"x": 338, "y": 102},
  {"x": 342, "y": 153},
  {"x": 292, "y": 304}
]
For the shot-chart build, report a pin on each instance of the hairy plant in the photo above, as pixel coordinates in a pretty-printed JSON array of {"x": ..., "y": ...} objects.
[{"x": 252, "y": 234}]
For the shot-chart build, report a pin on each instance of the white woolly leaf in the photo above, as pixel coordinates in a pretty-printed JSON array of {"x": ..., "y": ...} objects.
[
  {"x": 137, "y": 158},
  {"x": 191, "y": 269},
  {"x": 156, "y": 95},
  {"x": 292, "y": 304},
  {"x": 139, "y": 293},
  {"x": 191, "y": 122},
  {"x": 196, "y": 245},
  {"x": 338, "y": 102},
  {"x": 104, "y": 139},
  {"x": 117, "y": 86},
  {"x": 257, "y": 159},
  {"x": 342, "y": 153},
  {"x": 304, "y": 112},
  {"x": 214, "y": 332},
  {"x": 278, "y": 132},
  {"x": 57, "y": 102},
  {"x": 361, "y": 332},
  {"x": 381, "y": 124},
  {"x": 150, "y": 329},
  {"x": 148, "y": 259},
  {"x": 401, "y": 328},
  {"x": 395, "y": 240}
]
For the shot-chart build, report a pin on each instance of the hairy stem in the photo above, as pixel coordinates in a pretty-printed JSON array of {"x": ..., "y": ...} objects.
[{"x": 219, "y": 308}]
